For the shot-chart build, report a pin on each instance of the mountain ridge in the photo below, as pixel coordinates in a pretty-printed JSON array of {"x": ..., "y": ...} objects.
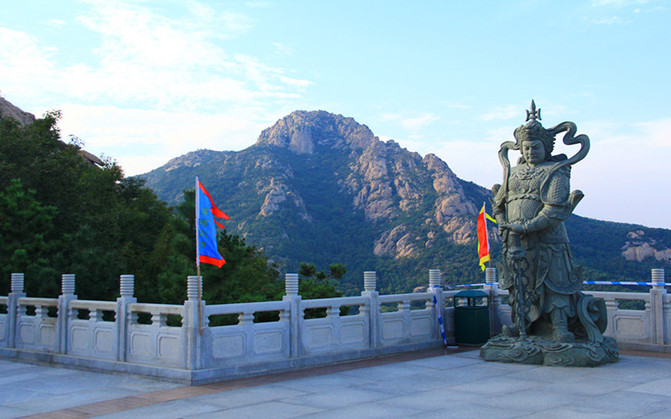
[{"x": 320, "y": 187}]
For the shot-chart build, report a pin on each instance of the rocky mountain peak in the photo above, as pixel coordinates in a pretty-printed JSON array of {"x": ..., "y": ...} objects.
[
  {"x": 301, "y": 131},
  {"x": 396, "y": 189}
]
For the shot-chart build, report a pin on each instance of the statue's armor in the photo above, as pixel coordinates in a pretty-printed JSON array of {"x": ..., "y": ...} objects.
[
  {"x": 536, "y": 192},
  {"x": 538, "y": 199}
]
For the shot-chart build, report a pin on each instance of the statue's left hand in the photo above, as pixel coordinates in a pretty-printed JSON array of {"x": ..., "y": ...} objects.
[{"x": 514, "y": 227}]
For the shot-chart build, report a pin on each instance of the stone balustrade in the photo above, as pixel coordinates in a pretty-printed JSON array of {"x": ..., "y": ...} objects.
[
  {"x": 199, "y": 343},
  {"x": 637, "y": 320}
]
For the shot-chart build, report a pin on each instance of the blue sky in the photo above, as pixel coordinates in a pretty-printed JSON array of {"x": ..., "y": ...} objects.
[{"x": 145, "y": 81}]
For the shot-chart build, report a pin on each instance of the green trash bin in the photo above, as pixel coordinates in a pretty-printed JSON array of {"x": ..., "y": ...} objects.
[{"x": 471, "y": 317}]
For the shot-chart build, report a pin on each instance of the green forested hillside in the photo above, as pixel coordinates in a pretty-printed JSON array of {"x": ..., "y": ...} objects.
[
  {"x": 598, "y": 247},
  {"x": 59, "y": 213}
]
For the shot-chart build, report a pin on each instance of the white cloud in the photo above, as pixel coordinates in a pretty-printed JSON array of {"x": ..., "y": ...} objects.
[
  {"x": 26, "y": 65},
  {"x": 146, "y": 58},
  {"x": 456, "y": 105},
  {"x": 159, "y": 135},
  {"x": 418, "y": 122},
  {"x": 618, "y": 3},
  {"x": 57, "y": 23},
  {"x": 618, "y": 6},
  {"x": 610, "y": 20},
  {"x": 282, "y": 49},
  {"x": 168, "y": 85},
  {"x": 260, "y": 4},
  {"x": 412, "y": 123}
]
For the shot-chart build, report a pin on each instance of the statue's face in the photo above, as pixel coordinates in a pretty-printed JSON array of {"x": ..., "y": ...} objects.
[{"x": 533, "y": 151}]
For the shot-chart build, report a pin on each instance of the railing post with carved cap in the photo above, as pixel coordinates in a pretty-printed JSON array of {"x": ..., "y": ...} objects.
[
  {"x": 63, "y": 324},
  {"x": 436, "y": 290},
  {"x": 17, "y": 282},
  {"x": 194, "y": 323},
  {"x": 657, "y": 297},
  {"x": 295, "y": 315},
  {"x": 373, "y": 309},
  {"x": 123, "y": 315}
]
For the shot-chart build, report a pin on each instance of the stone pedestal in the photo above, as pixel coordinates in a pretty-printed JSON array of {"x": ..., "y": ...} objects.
[{"x": 542, "y": 351}]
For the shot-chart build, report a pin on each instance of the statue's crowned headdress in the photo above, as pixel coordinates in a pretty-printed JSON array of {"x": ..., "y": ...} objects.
[{"x": 533, "y": 130}]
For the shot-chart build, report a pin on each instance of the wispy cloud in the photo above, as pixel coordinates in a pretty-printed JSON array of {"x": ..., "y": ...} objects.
[
  {"x": 409, "y": 122},
  {"x": 619, "y": 3},
  {"x": 611, "y": 20},
  {"x": 456, "y": 105},
  {"x": 501, "y": 113},
  {"x": 418, "y": 122},
  {"x": 197, "y": 91},
  {"x": 282, "y": 49},
  {"x": 57, "y": 23},
  {"x": 620, "y": 12}
]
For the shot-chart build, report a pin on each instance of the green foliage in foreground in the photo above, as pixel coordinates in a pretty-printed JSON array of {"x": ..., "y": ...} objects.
[{"x": 60, "y": 214}]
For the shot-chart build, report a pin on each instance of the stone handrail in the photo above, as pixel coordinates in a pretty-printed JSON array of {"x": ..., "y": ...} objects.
[
  {"x": 93, "y": 305},
  {"x": 157, "y": 309},
  {"x": 406, "y": 298},
  {"x": 38, "y": 302},
  {"x": 178, "y": 343},
  {"x": 245, "y": 308},
  {"x": 334, "y": 302}
]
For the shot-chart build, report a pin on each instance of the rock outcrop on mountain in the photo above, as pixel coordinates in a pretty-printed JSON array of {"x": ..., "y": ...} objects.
[
  {"x": 8, "y": 110},
  {"x": 11, "y": 111},
  {"x": 638, "y": 247},
  {"x": 385, "y": 182}
]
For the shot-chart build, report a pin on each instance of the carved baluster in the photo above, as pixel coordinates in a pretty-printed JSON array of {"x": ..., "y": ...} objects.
[
  {"x": 333, "y": 311},
  {"x": 95, "y": 315},
  {"x": 158, "y": 319},
  {"x": 132, "y": 317},
  {"x": 41, "y": 311},
  {"x": 246, "y": 318}
]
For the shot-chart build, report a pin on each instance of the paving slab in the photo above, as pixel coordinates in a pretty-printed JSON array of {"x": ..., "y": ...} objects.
[{"x": 433, "y": 384}]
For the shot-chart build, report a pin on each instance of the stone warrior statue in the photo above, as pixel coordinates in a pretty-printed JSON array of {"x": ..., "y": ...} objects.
[{"x": 549, "y": 312}]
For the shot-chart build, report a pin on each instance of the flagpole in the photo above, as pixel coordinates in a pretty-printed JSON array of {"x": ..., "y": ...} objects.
[
  {"x": 200, "y": 285},
  {"x": 489, "y": 263}
]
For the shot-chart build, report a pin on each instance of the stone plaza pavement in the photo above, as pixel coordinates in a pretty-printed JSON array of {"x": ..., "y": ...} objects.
[{"x": 431, "y": 384}]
